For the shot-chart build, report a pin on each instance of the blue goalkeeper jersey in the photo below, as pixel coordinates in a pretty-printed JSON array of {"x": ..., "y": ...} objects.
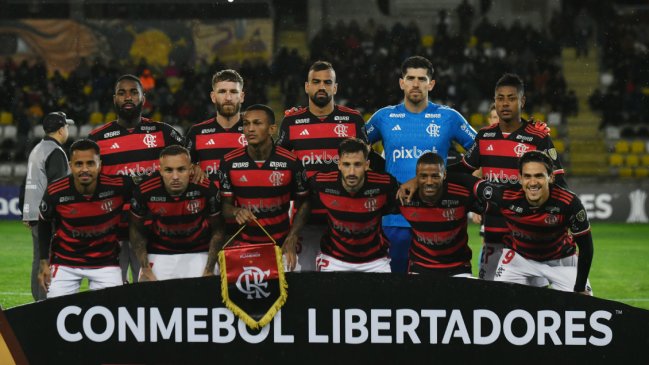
[{"x": 406, "y": 136}]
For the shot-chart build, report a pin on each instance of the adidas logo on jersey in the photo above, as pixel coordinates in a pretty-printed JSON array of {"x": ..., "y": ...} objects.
[
  {"x": 114, "y": 146},
  {"x": 210, "y": 142},
  {"x": 243, "y": 178},
  {"x": 490, "y": 148},
  {"x": 304, "y": 132},
  {"x": 396, "y": 128}
]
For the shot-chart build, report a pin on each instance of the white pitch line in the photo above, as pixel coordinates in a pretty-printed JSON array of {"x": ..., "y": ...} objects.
[
  {"x": 14, "y": 293},
  {"x": 631, "y": 300}
]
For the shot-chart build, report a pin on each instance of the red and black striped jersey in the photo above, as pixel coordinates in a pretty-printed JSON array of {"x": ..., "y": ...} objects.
[
  {"x": 85, "y": 227},
  {"x": 208, "y": 142},
  {"x": 539, "y": 233},
  {"x": 180, "y": 224},
  {"x": 354, "y": 232},
  {"x": 497, "y": 156},
  {"x": 315, "y": 140},
  {"x": 134, "y": 152},
  {"x": 265, "y": 188},
  {"x": 439, "y": 231}
]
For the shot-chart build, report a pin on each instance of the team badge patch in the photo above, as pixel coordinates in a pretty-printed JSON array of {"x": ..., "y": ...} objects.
[
  {"x": 253, "y": 285},
  {"x": 552, "y": 153}
]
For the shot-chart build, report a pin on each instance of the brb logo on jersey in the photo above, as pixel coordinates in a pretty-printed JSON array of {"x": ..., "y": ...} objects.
[
  {"x": 413, "y": 152},
  {"x": 252, "y": 281},
  {"x": 433, "y": 130},
  {"x": 150, "y": 140}
]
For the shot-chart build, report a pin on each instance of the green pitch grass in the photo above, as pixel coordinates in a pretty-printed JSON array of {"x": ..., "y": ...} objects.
[{"x": 620, "y": 268}]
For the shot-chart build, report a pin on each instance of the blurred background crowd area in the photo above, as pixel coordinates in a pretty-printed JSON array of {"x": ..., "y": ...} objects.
[{"x": 584, "y": 63}]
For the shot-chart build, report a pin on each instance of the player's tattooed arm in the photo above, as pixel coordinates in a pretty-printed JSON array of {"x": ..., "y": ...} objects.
[
  {"x": 216, "y": 244},
  {"x": 137, "y": 236}
]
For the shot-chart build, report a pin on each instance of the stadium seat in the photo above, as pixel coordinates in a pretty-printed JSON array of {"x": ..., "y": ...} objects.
[
  {"x": 476, "y": 120},
  {"x": 632, "y": 160},
  {"x": 157, "y": 116},
  {"x": 6, "y": 118},
  {"x": 73, "y": 132},
  {"x": 638, "y": 146},
  {"x": 644, "y": 160},
  {"x": 96, "y": 118},
  {"x": 622, "y": 146},
  {"x": 554, "y": 118},
  {"x": 6, "y": 170},
  {"x": 84, "y": 130},
  {"x": 625, "y": 172},
  {"x": 616, "y": 160},
  {"x": 641, "y": 172},
  {"x": 559, "y": 146},
  {"x": 20, "y": 170},
  {"x": 539, "y": 117},
  {"x": 110, "y": 116},
  {"x": 38, "y": 132},
  {"x": 9, "y": 131},
  {"x": 525, "y": 116},
  {"x": 554, "y": 133},
  {"x": 427, "y": 40}
]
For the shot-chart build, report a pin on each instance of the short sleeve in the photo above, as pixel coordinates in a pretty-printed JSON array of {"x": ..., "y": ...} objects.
[
  {"x": 47, "y": 208},
  {"x": 138, "y": 204},
  {"x": 300, "y": 187},
  {"x": 578, "y": 218},
  {"x": 283, "y": 139},
  {"x": 372, "y": 130}
]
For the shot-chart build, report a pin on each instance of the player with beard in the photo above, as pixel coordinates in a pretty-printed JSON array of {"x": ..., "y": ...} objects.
[
  {"x": 355, "y": 199},
  {"x": 210, "y": 140},
  {"x": 84, "y": 209},
  {"x": 131, "y": 145},
  {"x": 313, "y": 134},
  {"x": 408, "y": 130}
]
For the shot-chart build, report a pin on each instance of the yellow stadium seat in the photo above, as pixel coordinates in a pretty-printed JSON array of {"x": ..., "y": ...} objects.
[
  {"x": 622, "y": 146},
  {"x": 632, "y": 160},
  {"x": 476, "y": 120},
  {"x": 6, "y": 118},
  {"x": 625, "y": 172},
  {"x": 525, "y": 116},
  {"x": 616, "y": 160},
  {"x": 157, "y": 116},
  {"x": 644, "y": 160},
  {"x": 554, "y": 132},
  {"x": 538, "y": 116},
  {"x": 642, "y": 172},
  {"x": 559, "y": 146},
  {"x": 427, "y": 40},
  {"x": 96, "y": 118},
  {"x": 637, "y": 146},
  {"x": 110, "y": 116}
]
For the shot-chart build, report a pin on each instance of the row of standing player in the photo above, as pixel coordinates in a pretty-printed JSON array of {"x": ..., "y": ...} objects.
[{"x": 304, "y": 130}]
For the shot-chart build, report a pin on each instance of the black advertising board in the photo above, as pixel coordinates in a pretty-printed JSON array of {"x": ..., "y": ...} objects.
[{"x": 334, "y": 318}]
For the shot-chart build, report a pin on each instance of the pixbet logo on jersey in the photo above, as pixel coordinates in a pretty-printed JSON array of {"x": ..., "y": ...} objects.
[
  {"x": 413, "y": 152},
  {"x": 317, "y": 158}
]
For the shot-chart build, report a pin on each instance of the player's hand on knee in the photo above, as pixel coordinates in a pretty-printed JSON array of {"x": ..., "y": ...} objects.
[
  {"x": 44, "y": 275},
  {"x": 289, "y": 249},
  {"x": 146, "y": 274}
]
